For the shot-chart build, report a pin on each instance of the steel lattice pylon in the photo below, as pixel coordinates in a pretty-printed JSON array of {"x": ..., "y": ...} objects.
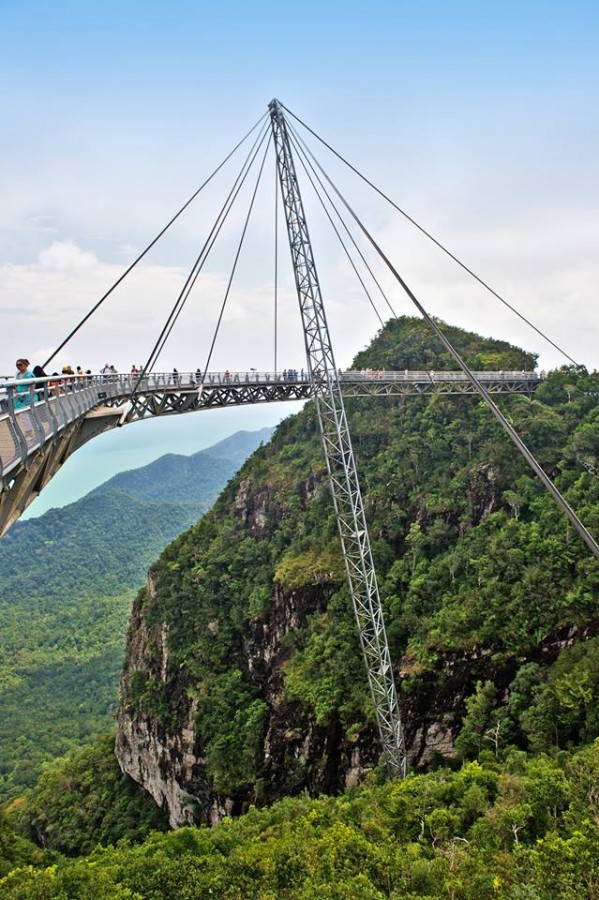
[{"x": 339, "y": 455}]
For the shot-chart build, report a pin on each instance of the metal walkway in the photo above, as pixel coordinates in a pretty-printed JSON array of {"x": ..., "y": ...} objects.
[{"x": 55, "y": 420}]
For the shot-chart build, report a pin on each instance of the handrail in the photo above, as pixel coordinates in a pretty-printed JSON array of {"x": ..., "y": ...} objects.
[{"x": 184, "y": 379}]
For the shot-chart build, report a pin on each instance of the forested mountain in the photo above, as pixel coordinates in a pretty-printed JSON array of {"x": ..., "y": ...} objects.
[
  {"x": 67, "y": 580},
  {"x": 191, "y": 479},
  {"x": 244, "y": 680}
]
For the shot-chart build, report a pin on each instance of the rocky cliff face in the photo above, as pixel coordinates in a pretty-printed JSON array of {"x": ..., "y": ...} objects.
[
  {"x": 165, "y": 753},
  {"x": 166, "y": 763},
  {"x": 162, "y": 748},
  {"x": 295, "y": 752}
]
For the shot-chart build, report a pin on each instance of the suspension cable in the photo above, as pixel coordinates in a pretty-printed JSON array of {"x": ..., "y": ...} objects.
[
  {"x": 236, "y": 260},
  {"x": 150, "y": 245},
  {"x": 481, "y": 390},
  {"x": 305, "y": 163},
  {"x": 200, "y": 260},
  {"x": 303, "y": 153},
  {"x": 436, "y": 242},
  {"x": 208, "y": 245}
]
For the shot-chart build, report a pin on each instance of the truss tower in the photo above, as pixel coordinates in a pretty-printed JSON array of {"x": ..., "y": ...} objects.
[{"x": 341, "y": 465}]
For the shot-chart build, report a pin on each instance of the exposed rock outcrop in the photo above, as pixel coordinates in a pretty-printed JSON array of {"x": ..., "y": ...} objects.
[
  {"x": 158, "y": 743},
  {"x": 164, "y": 761}
]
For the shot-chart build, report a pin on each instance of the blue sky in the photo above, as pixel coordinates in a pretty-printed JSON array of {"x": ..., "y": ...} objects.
[{"x": 478, "y": 118}]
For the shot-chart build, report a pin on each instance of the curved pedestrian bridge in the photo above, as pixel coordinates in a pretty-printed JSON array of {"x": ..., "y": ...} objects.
[{"x": 41, "y": 428}]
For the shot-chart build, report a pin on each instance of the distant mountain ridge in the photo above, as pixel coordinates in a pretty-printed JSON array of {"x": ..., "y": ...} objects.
[
  {"x": 178, "y": 477},
  {"x": 67, "y": 580}
]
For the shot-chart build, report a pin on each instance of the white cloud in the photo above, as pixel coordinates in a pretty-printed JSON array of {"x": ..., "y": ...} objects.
[
  {"x": 545, "y": 266},
  {"x": 43, "y": 301},
  {"x": 66, "y": 256}
]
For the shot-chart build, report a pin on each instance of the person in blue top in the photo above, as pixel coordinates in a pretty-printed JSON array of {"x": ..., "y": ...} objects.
[{"x": 22, "y": 391}]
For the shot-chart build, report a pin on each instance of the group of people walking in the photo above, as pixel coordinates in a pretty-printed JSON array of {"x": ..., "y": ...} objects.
[{"x": 25, "y": 375}]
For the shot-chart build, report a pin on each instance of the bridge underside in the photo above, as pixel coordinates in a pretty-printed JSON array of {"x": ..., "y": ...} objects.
[{"x": 35, "y": 442}]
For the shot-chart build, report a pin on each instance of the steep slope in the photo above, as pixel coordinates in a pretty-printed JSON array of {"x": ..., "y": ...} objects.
[
  {"x": 243, "y": 680},
  {"x": 66, "y": 586}
]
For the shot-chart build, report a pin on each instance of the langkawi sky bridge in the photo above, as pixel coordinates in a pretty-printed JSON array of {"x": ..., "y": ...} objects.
[{"x": 44, "y": 421}]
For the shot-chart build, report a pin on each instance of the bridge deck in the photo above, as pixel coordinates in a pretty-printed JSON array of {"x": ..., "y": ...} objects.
[{"x": 52, "y": 408}]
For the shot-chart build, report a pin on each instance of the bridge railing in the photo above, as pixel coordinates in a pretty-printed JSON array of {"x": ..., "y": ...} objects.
[
  {"x": 293, "y": 375},
  {"x": 67, "y": 384},
  {"x": 34, "y": 411}
]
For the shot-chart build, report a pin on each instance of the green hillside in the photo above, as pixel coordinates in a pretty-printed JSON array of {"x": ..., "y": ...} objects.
[
  {"x": 489, "y": 595},
  {"x": 491, "y": 607},
  {"x": 66, "y": 584},
  {"x": 189, "y": 478}
]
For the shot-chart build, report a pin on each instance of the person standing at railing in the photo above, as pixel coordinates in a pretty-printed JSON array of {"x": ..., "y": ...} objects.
[
  {"x": 22, "y": 390},
  {"x": 39, "y": 373},
  {"x": 68, "y": 383},
  {"x": 22, "y": 397}
]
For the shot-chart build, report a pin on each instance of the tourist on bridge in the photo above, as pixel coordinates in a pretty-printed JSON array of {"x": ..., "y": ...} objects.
[
  {"x": 39, "y": 373},
  {"x": 22, "y": 391},
  {"x": 68, "y": 382},
  {"x": 22, "y": 398}
]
